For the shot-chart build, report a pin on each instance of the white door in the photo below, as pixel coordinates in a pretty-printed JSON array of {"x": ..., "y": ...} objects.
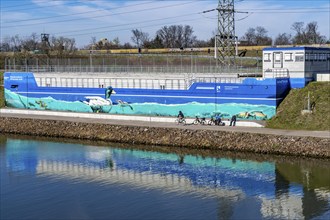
[{"x": 277, "y": 60}]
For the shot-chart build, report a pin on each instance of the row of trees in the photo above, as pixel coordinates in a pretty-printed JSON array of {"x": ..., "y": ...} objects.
[
  {"x": 33, "y": 43},
  {"x": 174, "y": 36}
]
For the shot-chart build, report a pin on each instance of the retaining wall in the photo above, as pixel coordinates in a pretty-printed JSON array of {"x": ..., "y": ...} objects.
[{"x": 179, "y": 137}]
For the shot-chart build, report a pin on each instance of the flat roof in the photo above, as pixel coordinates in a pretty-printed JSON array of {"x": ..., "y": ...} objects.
[{"x": 296, "y": 48}]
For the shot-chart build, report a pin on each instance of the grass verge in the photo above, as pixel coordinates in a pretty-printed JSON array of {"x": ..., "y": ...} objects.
[
  {"x": 2, "y": 95},
  {"x": 289, "y": 113}
]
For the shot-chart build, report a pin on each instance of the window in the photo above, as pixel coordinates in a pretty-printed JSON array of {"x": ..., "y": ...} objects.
[
  {"x": 299, "y": 57},
  {"x": 278, "y": 57},
  {"x": 267, "y": 57},
  {"x": 323, "y": 57},
  {"x": 317, "y": 57},
  {"x": 288, "y": 57}
]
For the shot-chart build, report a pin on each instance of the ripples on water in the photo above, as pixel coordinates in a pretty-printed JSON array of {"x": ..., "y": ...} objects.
[{"x": 51, "y": 180}]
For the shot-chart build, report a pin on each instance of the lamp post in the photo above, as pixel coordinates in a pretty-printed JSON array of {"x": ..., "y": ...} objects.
[{"x": 90, "y": 61}]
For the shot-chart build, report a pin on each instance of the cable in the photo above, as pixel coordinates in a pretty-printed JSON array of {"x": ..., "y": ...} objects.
[
  {"x": 74, "y": 19},
  {"x": 147, "y": 26},
  {"x": 291, "y": 12},
  {"x": 281, "y": 9},
  {"x": 37, "y": 7},
  {"x": 138, "y": 22},
  {"x": 57, "y": 16}
]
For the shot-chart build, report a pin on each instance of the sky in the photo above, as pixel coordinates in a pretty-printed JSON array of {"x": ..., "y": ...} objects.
[{"x": 84, "y": 19}]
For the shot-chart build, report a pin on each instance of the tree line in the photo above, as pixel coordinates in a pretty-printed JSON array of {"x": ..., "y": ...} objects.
[{"x": 174, "y": 36}]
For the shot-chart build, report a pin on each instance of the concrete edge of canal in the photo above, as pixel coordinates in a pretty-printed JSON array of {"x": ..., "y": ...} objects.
[{"x": 237, "y": 139}]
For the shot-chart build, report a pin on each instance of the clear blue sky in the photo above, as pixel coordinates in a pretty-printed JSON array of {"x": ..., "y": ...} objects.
[{"x": 84, "y": 19}]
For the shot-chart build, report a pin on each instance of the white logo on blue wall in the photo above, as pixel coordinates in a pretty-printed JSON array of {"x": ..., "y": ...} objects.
[{"x": 218, "y": 88}]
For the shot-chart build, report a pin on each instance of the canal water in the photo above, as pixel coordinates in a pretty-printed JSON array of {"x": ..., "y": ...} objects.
[{"x": 65, "y": 179}]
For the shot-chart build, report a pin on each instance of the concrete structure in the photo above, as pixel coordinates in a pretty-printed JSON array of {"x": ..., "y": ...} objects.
[
  {"x": 301, "y": 64},
  {"x": 118, "y": 118}
]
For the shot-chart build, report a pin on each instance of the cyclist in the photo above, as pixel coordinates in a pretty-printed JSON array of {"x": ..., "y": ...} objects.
[{"x": 180, "y": 115}]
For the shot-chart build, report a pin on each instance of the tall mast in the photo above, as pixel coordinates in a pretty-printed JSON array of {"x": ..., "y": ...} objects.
[{"x": 225, "y": 39}]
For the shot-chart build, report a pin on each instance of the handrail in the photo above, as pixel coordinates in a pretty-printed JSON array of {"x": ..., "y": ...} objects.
[{"x": 276, "y": 73}]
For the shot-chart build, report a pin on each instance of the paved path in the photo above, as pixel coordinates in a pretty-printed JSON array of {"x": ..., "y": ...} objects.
[{"x": 167, "y": 122}]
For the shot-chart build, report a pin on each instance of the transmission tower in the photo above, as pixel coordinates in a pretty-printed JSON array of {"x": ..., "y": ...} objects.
[
  {"x": 45, "y": 45},
  {"x": 225, "y": 39}
]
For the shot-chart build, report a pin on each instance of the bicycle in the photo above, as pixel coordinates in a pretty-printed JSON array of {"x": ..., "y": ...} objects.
[
  {"x": 198, "y": 120},
  {"x": 211, "y": 121},
  {"x": 180, "y": 121},
  {"x": 214, "y": 121}
]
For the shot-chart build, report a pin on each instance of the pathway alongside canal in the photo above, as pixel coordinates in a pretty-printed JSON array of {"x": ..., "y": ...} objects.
[{"x": 243, "y": 139}]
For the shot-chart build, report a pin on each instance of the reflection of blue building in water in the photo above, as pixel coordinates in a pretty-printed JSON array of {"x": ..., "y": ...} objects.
[
  {"x": 216, "y": 177},
  {"x": 213, "y": 173}
]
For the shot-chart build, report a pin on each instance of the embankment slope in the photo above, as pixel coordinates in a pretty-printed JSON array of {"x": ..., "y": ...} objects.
[{"x": 289, "y": 114}]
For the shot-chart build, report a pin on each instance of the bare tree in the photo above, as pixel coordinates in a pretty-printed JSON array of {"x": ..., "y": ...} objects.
[
  {"x": 283, "y": 39},
  {"x": 176, "y": 36},
  {"x": 116, "y": 42},
  {"x": 31, "y": 43},
  {"x": 257, "y": 36},
  {"x": 155, "y": 43},
  {"x": 308, "y": 34},
  {"x": 313, "y": 35},
  {"x": 5, "y": 45},
  {"x": 63, "y": 45},
  {"x": 165, "y": 36},
  {"x": 249, "y": 36},
  {"x": 188, "y": 38},
  {"x": 139, "y": 37},
  {"x": 16, "y": 43},
  {"x": 261, "y": 36},
  {"x": 298, "y": 27}
]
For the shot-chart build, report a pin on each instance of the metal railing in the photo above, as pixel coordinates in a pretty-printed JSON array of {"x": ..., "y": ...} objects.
[
  {"x": 276, "y": 73},
  {"x": 140, "y": 83},
  {"x": 131, "y": 69}
]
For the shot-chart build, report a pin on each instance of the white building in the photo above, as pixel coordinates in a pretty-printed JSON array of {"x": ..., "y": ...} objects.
[{"x": 301, "y": 64}]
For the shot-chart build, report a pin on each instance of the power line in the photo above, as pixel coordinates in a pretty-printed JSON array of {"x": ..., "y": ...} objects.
[
  {"x": 125, "y": 29},
  {"x": 290, "y": 12},
  {"x": 138, "y": 22},
  {"x": 38, "y": 7},
  {"x": 87, "y": 12},
  {"x": 99, "y": 16},
  {"x": 281, "y": 9}
]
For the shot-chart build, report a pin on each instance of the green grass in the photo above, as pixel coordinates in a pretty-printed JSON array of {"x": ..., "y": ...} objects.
[
  {"x": 289, "y": 112},
  {"x": 2, "y": 96}
]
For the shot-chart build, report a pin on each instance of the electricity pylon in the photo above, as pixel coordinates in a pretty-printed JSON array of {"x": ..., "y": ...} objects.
[{"x": 225, "y": 39}]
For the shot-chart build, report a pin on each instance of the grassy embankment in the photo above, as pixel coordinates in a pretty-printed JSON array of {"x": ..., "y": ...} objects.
[
  {"x": 289, "y": 114},
  {"x": 2, "y": 97}
]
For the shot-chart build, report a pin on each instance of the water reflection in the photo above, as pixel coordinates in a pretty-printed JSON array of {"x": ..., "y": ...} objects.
[{"x": 242, "y": 188}]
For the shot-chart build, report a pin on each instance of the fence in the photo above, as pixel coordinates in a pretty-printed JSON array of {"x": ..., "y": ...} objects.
[
  {"x": 131, "y": 64},
  {"x": 93, "y": 82},
  {"x": 138, "y": 83}
]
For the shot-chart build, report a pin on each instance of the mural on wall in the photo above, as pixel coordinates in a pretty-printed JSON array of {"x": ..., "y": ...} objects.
[{"x": 98, "y": 104}]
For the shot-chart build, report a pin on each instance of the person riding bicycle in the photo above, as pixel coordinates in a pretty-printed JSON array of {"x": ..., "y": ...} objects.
[{"x": 180, "y": 115}]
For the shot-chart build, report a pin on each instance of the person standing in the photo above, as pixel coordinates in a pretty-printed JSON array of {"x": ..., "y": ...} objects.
[
  {"x": 233, "y": 121},
  {"x": 217, "y": 119}
]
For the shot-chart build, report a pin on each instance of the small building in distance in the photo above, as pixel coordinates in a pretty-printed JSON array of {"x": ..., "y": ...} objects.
[{"x": 302, "y": 64}]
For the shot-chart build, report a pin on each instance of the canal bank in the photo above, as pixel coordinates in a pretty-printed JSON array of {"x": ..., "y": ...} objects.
[{"x": 237, "y": 139}]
